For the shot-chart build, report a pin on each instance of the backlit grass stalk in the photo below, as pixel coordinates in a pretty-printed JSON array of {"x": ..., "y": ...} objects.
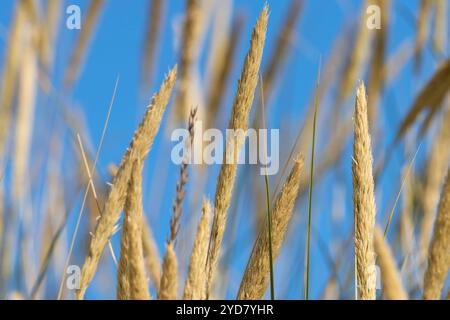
[
  {"x": 169, "y": 279},
  {"x": 256, "y": 275},
  {"x": 195, "y": 287},
  {"x": 190, "y": 41},
  {"x": 437, "y": 164},
  {"x": 390, "y": 276},
  {"x": 363, "y": 199},
  {"x": 222, "y": 66},
  {"x": 10, "y": 73},
  {"x": 88, "y": 26},
  {"x": 133, "y": 225},
  {"x": 151, "y": 254},
  {"x": 138, "y": 149},
  {"x": 422, "y": 31},
  {"x": 154, "y": 19},
  {"x": 439, "y": 254},
  {"x": 239, "y": 120}
]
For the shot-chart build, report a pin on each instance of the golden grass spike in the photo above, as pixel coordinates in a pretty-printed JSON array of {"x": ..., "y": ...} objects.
[
  {"x": 430, "y": 96},
  {"x": 390, "y": 276},
  {"x": 138, "y": 149},
  {"x": 156, "y": 9},
  {"x": 439, "y": 256},
  {"x": 376, "y": 80},
  {"x": 422, "y": 31},
  {"x": 239, "y": 120},
  {"x": 256, "y": 275},
  {"x": 151, "y": 254},
  {"x": 10, "y": 74},
  {"x": 169, "y": 279},
  {"x": 123, "y": 271},
  {"x": 188, "y": 56},
  {"x": 436, "y": 165},
  {"x": 133, "y": 221},
  {"x": 195, "y": 286},
  {"x": 81, "y": 46},
  {"x": 363, "y": 199}
]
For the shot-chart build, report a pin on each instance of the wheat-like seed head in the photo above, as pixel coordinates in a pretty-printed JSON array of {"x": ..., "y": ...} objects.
[
  {"x": 255, "y": 280},
  {"x": 169, "y": 279},
  {"x": 133, "y": 223},
  {"x": 437, "y": 162},
  {"x": 439, "y": 256},
  {"x": 151, "y": 254},
  {"x": 195, "y": 286},
  {"x": 239, "y": 120},
  {"x": 363, "y": 199},
  {"x": 138, "y": 149}
]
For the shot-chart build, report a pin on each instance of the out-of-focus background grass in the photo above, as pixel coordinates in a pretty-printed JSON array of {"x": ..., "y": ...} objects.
[{"x": 116, "y": 51}]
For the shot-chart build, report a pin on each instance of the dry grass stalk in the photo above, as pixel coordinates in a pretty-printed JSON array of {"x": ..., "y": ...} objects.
[
  {"x": 123, "y": 275},
  {"x": 31, "y": 9},
  {"x": 390, "y": 276},
  {"x": 138, "y": 149},
  {"x": 376, "y": 80},
  {"x": 154, "y": 18},
  {"x": 396, "y": 62},
  {"x": 48, "y": 32},
  {"x": 221, "y": 70},
  {"x": 281, "y": 50},
  {"x": 86, "y": 32},
  {"x": 151, "y": 254},
  {"x": 10, "y": 73},
  {"x": 133, "y": 225},
  {"x": 440, "y": 31},
  {"x": 239, "y": 120},
  {"x": 356, "y": 59},
  {"x": 256, "y": 275},
  {"x": 439, "y": 256},
  {"x": 437, "y": 162},
  {"x": 429, "y": 98},
  {"x": 195, "y": 286},
  {"x": 188, "y": 56},
  {"x": 23, "y": 140},
  {"x": 25, "y": 114},
  {"x": 169, "y": 280},
  {"x": 177, "y": 205},
  {"x": 363, "y": 199},
  {"x": 422, "y": 31}
]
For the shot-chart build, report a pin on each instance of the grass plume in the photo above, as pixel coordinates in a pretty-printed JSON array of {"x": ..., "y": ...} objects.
[
  {"x": 363, "y": 199},
  {"x": 239, "y": 120}
]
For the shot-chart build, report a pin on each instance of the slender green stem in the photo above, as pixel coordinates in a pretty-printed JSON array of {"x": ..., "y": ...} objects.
[
  {"x": 269, "y": 224},
  {"x": 269, "y": 212},
  {"x": 311, "y": 180}
]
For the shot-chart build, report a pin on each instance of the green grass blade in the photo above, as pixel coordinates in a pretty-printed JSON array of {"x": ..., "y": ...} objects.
[{"x": 311, "y": 180}]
